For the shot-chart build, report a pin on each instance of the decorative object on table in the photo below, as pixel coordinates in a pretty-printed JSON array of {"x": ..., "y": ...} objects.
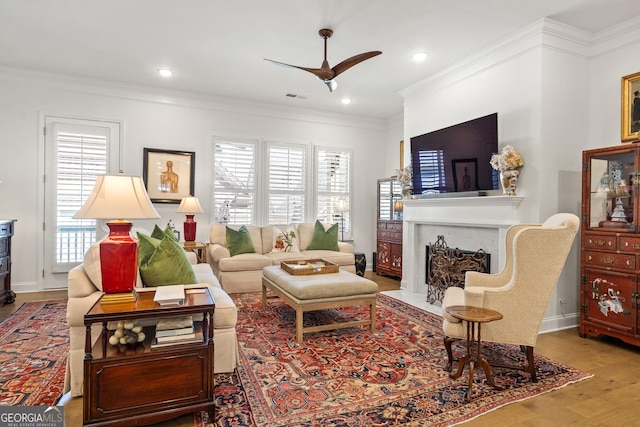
[
  {"x": 508, "y": 163},
  {"x": 325, "y": 73},
  {"x": 342, "y": 207},
  {"x": 171, "y": 226},
  {"x": 404, "y": 177},
  {"x": 127, "y": 333},
  {"x": 118, "y": 196},
  {"x": 169, "y": 175},
  {"x": 630, "y": 125},
  {"x": 398, "y": 208},
  {"x": 190, "y": 206}
]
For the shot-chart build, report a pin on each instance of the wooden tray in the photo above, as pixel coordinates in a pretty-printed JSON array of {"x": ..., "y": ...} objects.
[{"x": 310, "y": 266}]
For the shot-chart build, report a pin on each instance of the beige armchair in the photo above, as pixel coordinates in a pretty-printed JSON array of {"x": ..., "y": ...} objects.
[{"x": 535, "y": 257}]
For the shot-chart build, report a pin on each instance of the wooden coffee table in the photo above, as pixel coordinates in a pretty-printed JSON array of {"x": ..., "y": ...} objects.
[
  {"x": 474, "y": 316},
  {"x": 138, "y": 385}
]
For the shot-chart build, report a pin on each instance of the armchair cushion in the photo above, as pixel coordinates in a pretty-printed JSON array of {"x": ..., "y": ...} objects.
[
  {"x": 239, "y": 241},
  {"x": 324, "y": 239},
  {"x": 163, "y": 262}
]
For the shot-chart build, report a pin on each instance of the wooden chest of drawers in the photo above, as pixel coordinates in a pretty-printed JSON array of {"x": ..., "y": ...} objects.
[
  {"x": 389, "y": 248},
  {"x": 7, "y": 296}
]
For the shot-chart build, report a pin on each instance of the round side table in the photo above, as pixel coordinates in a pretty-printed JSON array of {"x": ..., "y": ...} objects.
[{"x": 475, "y": 317}]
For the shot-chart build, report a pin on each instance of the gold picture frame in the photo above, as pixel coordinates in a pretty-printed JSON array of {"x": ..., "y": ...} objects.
[{"x": 630, "y": 116}]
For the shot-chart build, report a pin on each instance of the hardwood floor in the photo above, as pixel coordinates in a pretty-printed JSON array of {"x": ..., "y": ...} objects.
[{"x": 607, "y": 399}]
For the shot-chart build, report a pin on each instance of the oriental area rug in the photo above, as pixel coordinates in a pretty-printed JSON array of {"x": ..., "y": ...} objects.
[
  {"x": 351, "y": 377},
  {"x": 34, "y": 343}
]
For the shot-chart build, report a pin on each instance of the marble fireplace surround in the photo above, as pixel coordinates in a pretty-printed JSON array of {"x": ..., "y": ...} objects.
[{"x": 467, "y": 223}]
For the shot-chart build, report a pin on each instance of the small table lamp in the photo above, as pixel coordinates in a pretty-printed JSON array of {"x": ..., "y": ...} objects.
[
  {"x": 190, "y": 205},
  {"x": 118, "y": 196},
  {"x": 342, "y": 207}
]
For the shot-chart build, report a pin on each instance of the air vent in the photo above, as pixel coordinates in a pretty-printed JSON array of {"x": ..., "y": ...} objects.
[{"x": 293, "y": 95}]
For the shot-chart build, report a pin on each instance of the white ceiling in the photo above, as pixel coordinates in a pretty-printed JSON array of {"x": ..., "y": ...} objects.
[{"x": 217, "y": 47}]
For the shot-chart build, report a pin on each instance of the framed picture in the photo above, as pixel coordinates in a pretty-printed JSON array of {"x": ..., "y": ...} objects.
[
  {"x": 168, "y": 175},
  {"x": 465, "y": 174},
  {"x": 631, "y": 107}
]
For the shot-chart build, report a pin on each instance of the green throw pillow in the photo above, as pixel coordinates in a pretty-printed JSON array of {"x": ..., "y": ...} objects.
[
  {"x": 324, "y": 240},
  {"x": 163, "y": 262},
  {"x": 239, "y": 242},
  {"x": 159, "y": 233}
]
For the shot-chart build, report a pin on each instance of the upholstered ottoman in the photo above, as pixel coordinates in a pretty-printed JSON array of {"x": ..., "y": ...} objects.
[{"x": 318, "y": 292}]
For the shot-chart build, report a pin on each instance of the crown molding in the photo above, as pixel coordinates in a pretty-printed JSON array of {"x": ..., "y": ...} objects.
[{"x": 119, "y": 90}]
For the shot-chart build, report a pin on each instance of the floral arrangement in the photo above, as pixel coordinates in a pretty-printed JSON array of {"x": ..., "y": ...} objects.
[
  {"x": 508, "y": 159},
  {"x": 404, "y": 176}
]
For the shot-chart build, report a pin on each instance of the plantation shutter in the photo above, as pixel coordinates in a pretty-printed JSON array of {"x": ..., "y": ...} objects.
[
  {"x": 286, "y": 183},
  {"x": 333, "y": 182},
  {"x": 234, "y": 189},
  {"x": 80, "y": 158}
]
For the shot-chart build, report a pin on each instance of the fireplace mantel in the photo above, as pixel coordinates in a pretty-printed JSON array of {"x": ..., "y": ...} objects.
[{"x": 467, "y": 219}]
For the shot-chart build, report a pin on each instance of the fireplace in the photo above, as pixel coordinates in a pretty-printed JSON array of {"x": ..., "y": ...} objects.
[
  {"x": 446, "y": 267},
  {"x": 467, "y": 222}
]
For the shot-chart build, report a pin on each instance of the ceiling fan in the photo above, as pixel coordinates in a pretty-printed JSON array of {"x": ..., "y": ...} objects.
[{"x": 325, "y": 73}]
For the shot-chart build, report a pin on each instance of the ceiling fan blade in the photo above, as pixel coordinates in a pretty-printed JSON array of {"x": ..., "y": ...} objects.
[
  {"x": 318, "y": 72},
  {"x": 354, "y": 60}
]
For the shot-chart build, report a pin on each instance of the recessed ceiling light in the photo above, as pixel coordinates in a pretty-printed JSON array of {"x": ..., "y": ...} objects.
[
  {"x": 420, "y": 56},
  {"x": 164, "y": 72},
  {"x": 346, "y": 101}
]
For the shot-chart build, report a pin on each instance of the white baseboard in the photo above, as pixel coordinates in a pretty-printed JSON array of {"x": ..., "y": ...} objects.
[{"x": 557, "y": 323}]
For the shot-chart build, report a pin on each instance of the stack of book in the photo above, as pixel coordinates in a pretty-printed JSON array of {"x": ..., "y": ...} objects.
[{"x": 175, "y": 330}]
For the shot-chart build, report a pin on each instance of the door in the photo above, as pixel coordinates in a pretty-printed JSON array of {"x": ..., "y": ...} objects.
[{"x": 75, "y": 152}]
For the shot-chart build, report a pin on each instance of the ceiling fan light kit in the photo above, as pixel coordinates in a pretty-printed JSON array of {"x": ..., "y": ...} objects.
[{"x": 325, "y": 73}]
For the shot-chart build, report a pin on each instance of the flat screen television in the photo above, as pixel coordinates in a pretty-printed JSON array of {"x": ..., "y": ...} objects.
[{"x": 456, "y": 158}]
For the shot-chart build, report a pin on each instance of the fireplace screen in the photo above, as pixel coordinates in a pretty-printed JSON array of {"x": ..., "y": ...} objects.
[{"x": 446, "y": 267}]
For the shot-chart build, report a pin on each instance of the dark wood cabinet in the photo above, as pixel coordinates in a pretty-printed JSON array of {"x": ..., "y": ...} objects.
[
  {"x": 140, "y": 385},
  {"x": 7, "y": 296},
  {"x": 610, "y": 243},
  {"x": 389, "y": 228}
]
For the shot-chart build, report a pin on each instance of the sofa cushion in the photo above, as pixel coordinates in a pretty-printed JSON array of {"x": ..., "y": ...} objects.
[
  {"x": 340, "y": 258},
  {"x": 159, "y": 233},
  {"x": 239, "y": 241},
  {"x": 245, "y": 262},
  {"x": 166, "y": 264},
  {"x": 277, "y": 257},
  {"x": 324, "y": 239},
  {"x": 91, "y": 264},
  {"x": 284, "y": 240}
]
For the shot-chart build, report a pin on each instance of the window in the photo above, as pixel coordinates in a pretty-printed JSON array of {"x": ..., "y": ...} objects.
[
  {"x": 333, "y": 182},
  {"x": 76, "y": 151},
  {"x": 270, "y": 182},
  {"x": 234, "y": 189},
  {"x": 287, "y": 183}
]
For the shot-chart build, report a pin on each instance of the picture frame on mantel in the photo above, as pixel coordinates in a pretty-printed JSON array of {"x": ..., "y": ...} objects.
[
  {"x": 631, "y": 108},
  {"x": 168, "y": 174}
]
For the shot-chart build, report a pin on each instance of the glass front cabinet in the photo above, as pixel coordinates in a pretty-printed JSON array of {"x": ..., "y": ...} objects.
[
  {"x": 610, "y": 243},
  {"x": 389, "y": 232}
]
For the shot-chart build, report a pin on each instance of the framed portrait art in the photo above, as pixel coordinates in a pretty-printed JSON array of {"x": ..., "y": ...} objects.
[
  {"x": 631, "y": 107},
  {"x": 465, "y": 174},
  {"x": 168, "y": 175}
]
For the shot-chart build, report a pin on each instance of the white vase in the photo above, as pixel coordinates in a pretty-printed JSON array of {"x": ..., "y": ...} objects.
[{"x": 509, "y": 181}]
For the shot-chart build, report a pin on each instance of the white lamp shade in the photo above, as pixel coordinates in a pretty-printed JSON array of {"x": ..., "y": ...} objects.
[
  {"x": 190, "y": 205},
  {"x": 118, "y": 197},
  {"x": 342, "y": 205}
]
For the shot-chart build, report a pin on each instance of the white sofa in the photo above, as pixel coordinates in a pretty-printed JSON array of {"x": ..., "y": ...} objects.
[
  {"x": 243, "y": 272},
  {"x": 83, "y": 294}
]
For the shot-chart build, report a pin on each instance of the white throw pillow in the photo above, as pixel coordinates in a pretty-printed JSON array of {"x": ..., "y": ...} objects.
[{"x": 285, "y": 241}]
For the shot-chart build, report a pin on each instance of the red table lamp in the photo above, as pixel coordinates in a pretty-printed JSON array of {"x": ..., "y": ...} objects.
[
  {"x": 118, "y": 196},
  {"x": 190, "y": 206}
]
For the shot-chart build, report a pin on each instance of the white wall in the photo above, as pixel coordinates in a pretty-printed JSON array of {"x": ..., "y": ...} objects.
[
  {"x": 557, "y": 92},
  {"x": 173, "y": 121}
]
